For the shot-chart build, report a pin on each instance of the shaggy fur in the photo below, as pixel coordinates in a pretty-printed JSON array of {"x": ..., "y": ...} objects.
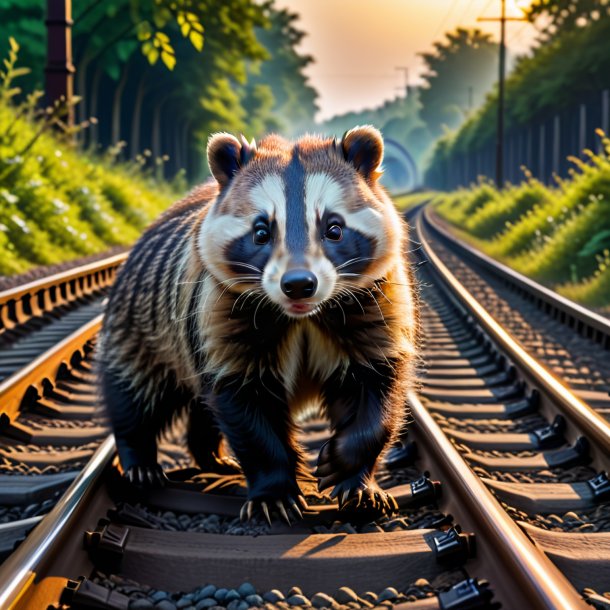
[{"x": 200, "y": 318}]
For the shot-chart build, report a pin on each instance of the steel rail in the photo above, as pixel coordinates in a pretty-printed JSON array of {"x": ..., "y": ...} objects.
[
  {"x": 13, "y": 389},
  {"x": 533, "y": 576},
  {"x": 19, "y": 304},
  {"x": 64, "y": 276},
  {"x": 586, "y": 420},
  {"x": 20, "y": 571},
  {"x": 573, "y": 311}
]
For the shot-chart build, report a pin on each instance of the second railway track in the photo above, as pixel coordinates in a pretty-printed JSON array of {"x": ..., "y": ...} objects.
[{"x": 513, "y": 469}]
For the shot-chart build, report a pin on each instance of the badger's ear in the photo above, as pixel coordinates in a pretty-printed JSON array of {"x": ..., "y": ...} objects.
[
  {"x": 363, "y": 148},
  {"x": 226, "y": 155}
]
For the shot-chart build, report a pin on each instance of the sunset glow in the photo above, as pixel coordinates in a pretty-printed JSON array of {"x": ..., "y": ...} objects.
[{"x": 358, "y": 45}]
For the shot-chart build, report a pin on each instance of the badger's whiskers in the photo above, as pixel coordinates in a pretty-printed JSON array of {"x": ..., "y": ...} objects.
[{"x": 353, "y": 261}]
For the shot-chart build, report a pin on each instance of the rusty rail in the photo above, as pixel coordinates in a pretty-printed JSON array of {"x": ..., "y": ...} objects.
[
  {"x": 534, "y": 580},
  {"x": 45, "y": 367},
  {"x": 584, "y": 321},
  {"x": 35, "y": 299},
  {"x": 23, "y": 568},
  {"x": 555, "y": 397}
]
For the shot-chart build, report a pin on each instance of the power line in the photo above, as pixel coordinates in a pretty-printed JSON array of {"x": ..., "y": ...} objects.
[
  {"x": 486, "y": 6},
  {"x": 444, "y": 19},
  {"x": 468, "y": 6}
]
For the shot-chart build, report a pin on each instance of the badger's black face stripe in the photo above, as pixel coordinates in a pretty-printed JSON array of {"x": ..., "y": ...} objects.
[
  {"x": 353, "y": 245},
  {"x": 244, "y": 250},
  {"x": 296, "y": 223}
]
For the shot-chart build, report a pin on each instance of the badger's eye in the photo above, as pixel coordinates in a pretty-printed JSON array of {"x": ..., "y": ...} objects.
[
  {"x": 334, "y": 232},
  {"x": 261, "y": 234}
]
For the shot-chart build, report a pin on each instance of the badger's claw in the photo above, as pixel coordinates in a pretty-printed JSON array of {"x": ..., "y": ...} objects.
[
  {"x": 296, "y": 510},
  {"x": 146, "y": 477},
  {"x": 284, "y": 508},
  {"x": 282, "y": 511},
  {"x": 265, "y": 509},
  {"x": 363, "y": 501}
]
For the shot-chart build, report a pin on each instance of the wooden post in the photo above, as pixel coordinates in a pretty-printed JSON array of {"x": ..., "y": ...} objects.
[
  {"x": 582, "y": 129},
  {"x": 556, "y": 144},
  {"x": 605, "y": 118},
  {"x": 541, "y": 155},
  {"x": 59, "y": 71}
]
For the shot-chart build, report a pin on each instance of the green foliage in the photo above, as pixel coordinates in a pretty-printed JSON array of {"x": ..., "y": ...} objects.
[
  {"x": 595, "y": 290},
  {"x": 559, "y": 16},
  {"x": 558, "y": 73},
  {"x": 293, "y": 107},
  {"x": 172, "y": 55},
  {"x": 558, "y": 235},
  {"x": 24, "y": 20},
  {"x": 489, "y": 220},
  {"x": 599, "y": 242},
  {"x": 406, "y": 202},
  {"x": 57, "y": 203},
  {"x": 10, "y": 73}
]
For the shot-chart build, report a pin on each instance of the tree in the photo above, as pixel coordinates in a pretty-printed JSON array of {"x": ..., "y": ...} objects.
[
  {"x": 567, "y": 69},
  {"x": 557, "y": 16},
  {"x": 24, "y": 21},
  {"x": 163, "y": 74},
  {"x": 463, "y": 65},
  {"x": 294, "y": 108}
]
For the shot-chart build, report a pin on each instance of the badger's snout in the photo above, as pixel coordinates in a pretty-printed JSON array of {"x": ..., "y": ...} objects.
[{"x": 299, "y": 284}]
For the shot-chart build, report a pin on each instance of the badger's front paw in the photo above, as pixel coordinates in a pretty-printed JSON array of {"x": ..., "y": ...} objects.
[
  {"x": 146, "y": 477},
  {"x": 361, "y": 500}
]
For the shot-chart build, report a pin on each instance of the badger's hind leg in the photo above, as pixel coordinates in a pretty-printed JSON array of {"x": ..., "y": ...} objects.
[
  {"x": 135, "y": 432},
  {"x": 204, "y": 439}
]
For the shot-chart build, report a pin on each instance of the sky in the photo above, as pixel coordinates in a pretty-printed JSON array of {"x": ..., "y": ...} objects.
[{"x": 360, "y": 44}]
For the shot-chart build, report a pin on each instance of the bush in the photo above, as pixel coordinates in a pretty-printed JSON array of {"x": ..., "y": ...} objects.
[
  {"x": 58, "y": 202},
  {"x": 557, "y": 235}
]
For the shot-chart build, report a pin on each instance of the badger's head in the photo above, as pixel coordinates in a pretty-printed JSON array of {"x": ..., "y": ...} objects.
[{"x": 301, "y": 222}]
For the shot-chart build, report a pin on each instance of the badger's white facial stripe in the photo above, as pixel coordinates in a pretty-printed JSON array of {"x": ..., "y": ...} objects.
[
  {"x": 321, "y": 192},
  {"x": 269, "y": 197},
  {"x": 324, "y": 194},
  {"x": 216, "y": 232},
  {"x": 369, "y": 222}
]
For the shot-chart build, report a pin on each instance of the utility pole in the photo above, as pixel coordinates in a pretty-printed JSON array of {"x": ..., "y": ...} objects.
[
  {"x": 501, "y": 77},
  {"x": 59, "y": 71}
]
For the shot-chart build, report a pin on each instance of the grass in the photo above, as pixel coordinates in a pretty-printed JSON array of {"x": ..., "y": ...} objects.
[
  {"x": 557, "y": 235},
  {"x": 406, "y": 202},
  {"x": 58, "y": 202}
]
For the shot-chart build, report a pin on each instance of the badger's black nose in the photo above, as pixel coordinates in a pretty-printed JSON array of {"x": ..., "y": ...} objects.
[{"x": 299, "y": 283}]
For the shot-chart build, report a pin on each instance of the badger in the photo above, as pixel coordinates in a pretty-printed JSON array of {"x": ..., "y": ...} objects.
[{"x": 281, "y": 283}]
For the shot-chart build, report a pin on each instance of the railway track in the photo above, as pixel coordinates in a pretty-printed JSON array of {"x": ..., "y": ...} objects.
[
  {"x": 571, "y": 341},
  {"x": 500, "y": 482},
  {"x": 49, "y": 426}
]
